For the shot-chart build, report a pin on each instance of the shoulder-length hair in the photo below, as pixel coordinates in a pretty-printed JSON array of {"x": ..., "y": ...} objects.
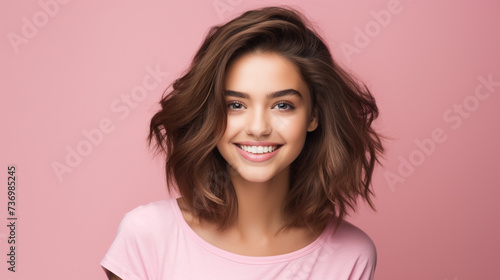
[{"x": 336, "y": 164}]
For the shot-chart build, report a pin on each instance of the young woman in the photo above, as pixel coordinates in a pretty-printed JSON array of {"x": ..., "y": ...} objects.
[{"x": 269, "y": 144}]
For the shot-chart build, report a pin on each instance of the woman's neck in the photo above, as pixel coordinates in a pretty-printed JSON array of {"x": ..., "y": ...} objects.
[
  {"x": 256, "y": 230},
  {"x": 260, "y": 205}
]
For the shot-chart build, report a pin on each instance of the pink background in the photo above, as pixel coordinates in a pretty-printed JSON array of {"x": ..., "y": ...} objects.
[{"x": 437, "y": 214}]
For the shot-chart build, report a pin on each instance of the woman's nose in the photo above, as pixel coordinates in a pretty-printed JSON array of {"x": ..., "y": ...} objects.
[{"x": 259, "y": 123}]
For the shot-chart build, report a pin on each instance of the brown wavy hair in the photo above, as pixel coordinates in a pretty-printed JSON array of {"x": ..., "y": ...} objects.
[{"x": 336, "y": 164}]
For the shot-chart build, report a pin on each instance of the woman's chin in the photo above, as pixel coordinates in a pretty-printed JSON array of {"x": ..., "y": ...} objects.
[
  {"x": 258, "y": 175},
  {"x": 257, "y": 179}
]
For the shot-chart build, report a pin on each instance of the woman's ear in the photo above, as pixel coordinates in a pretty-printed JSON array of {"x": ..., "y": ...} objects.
[{"x": 313, "y": 122}]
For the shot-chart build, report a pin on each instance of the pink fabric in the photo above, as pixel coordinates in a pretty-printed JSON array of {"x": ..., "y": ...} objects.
[{"x": 155, "y": 242}]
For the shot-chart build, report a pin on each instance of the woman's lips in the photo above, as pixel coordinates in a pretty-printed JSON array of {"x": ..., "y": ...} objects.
[{"x": 258, "y": 157}]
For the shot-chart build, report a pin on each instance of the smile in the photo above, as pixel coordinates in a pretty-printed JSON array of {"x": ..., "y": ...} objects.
[
  {"x": 258, "y": 149},
  {"x": 258, "y": 154}
]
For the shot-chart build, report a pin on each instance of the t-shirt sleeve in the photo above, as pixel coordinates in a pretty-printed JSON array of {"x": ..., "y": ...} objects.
[
  {"x": 127, "y": 255},
  {"x": 353, "y": 252},
  {"x": 366, "y": 262}
]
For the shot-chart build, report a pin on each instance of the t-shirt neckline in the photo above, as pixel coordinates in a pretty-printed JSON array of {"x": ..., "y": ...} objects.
[{"x": 327, "y": 231}]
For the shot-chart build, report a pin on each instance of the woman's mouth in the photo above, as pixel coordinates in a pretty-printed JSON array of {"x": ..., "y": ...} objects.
[
  {"x": 258, "y": 153},
  {"x": 258, "y": 149}
]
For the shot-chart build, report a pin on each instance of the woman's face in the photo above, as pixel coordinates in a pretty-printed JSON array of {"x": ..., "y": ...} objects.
[{"x": 268, "y": 115}]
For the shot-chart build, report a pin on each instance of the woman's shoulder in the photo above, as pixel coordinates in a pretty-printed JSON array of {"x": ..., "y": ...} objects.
[
  {"x": 352, "y": 240},
  {"x": 142, "y": 235},
  {"x": 155, "y": 214},
  {"x": 348, "y": 251},
  {"x": 151, "y": 207}
]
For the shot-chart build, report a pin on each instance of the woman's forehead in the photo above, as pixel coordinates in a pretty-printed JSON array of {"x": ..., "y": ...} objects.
[{"x": 263, "y": 73}]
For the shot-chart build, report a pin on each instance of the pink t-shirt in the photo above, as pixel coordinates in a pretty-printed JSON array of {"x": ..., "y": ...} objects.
[{"x": 155, "y": 242}]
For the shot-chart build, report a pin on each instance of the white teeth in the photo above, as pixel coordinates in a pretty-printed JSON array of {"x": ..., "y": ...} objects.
[{"x": 258, "y": 149}]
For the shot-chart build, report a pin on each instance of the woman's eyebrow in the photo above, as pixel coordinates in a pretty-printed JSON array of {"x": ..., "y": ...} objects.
[{"x": 271, "y": 95}]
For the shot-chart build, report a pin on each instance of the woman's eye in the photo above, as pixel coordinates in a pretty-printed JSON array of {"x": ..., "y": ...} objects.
[
  {"x": 284, "y": 106},
  {"x": 235, "y": 106}
]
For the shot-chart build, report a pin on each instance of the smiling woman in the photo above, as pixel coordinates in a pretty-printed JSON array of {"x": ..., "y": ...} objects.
[
  {"x": 266, "y": 110},
  {"x": 269, "y": 143}
]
